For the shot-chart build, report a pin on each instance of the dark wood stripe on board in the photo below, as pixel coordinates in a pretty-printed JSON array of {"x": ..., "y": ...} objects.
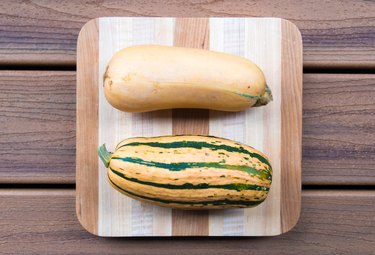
[{"x": 192, "y": 33}]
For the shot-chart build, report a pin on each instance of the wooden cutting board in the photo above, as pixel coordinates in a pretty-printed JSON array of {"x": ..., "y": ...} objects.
[{"x": 274, "y": 44}]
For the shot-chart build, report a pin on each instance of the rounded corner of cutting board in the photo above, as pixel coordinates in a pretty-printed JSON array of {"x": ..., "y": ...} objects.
[
  {"x": 294, "y": 223},
  {"x": 91, "y": 228},
  {"x": 88, "y": 26},
  {"x": 294, "y": 37},
  {"x": 286, "y": 228},
  {"x": 292, "y": 27}
]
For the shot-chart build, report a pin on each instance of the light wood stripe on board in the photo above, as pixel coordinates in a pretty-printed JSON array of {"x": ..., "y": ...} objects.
[
  {"x": 258, "y": 127},
  {"x": 227, "y": 35},
  {"x": 263, "y": 124},
  {"x": 119, "y": 214}
]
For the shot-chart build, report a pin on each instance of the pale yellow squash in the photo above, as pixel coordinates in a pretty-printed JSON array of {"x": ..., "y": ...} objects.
[{"x": 149, "y": 77}]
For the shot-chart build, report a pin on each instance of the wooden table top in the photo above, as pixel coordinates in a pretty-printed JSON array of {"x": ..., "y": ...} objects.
[{"x": 37, "y": 169}]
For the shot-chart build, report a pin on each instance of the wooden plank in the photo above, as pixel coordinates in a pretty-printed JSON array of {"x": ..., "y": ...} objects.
[
  {"x": 44, "y": 222},
  {"x": 335, "y": 33},
  {"x": 37, "y": 127},
  {"x": 338, "y": 129},
  {"x": 191, "y": 33},
  {"x": 38, "y": 110},
  {"x": 87, "y": 116}
]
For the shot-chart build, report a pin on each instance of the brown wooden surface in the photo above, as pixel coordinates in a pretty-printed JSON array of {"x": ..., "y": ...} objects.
[
  {"x": 192, "y": 34},
  {"x": 38, "y": 128},
  {"x": 338, "y": 129},
  {"x": 291, "y": 125},
  {"x": 335, "y": 33},
  {"x": 87, "y": 116},
  {"x": 44, "y": 222}
]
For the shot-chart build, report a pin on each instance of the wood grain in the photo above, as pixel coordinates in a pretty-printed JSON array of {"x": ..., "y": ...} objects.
[
  {"x": 335, "y": 33},
  {"x": 260, "y": 127},
  {"x": 191, "y": 33},
  {"x": 129, "y": 217},
  {"x": 44, "y": 222},
  {"x": 37, "y": 127},
  {"x": 338, "y": 120},
  {"x": 338, "y": 129},
  {"x": 87, "y": 138},
  {"x": 291, "y": 124}
]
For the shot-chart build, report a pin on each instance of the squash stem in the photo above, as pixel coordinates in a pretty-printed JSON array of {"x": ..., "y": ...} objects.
[
  {"x": 104, "y": 155},
  {"x": 265, "y": 98}
]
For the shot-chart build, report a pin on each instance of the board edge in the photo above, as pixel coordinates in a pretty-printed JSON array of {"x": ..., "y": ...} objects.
[
  {"x": 291, "y": 124},
  {"x": 87, "y": 95}
]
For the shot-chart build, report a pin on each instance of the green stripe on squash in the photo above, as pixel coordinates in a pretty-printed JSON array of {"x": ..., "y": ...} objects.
[
  {"x": 199, "y": 145},
  {"x": 222, "y": 202},
  {"x": 262, "y": 174},
  {"x": 233, "y": 186}
]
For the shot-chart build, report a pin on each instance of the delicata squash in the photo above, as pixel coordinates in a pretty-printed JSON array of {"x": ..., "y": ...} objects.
[{"x": 189, "y": 172}]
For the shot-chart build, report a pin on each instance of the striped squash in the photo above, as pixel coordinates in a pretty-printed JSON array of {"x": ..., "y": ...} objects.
[{"x": 189, "y": 172}]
